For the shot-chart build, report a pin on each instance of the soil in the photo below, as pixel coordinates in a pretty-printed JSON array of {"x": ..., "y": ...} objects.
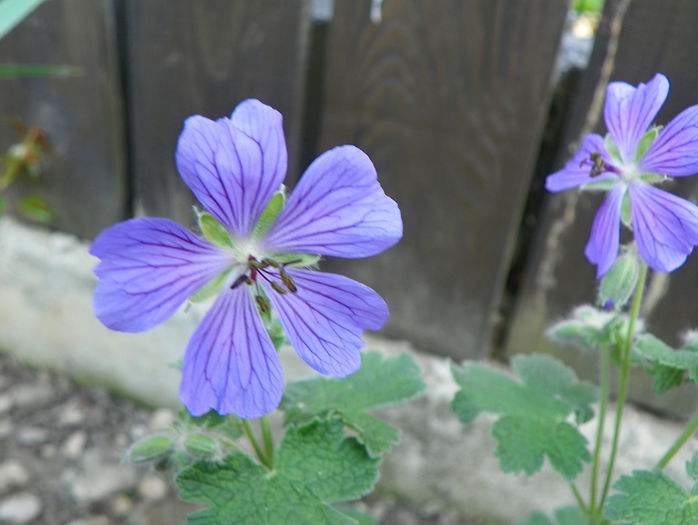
[{"x": 61, "y": 460}]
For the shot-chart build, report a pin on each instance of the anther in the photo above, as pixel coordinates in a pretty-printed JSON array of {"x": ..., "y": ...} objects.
[
  {"x": 262, "y": 304},
  {"x": 242, "y": 279},
  {"x": 288, "y": 282},
  {"x": 278, "y": 288}
]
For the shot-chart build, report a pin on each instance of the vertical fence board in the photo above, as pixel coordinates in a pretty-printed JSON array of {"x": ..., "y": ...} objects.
[
  {"x": 651, "y": 40},
  {"x": 84, "y": 179},
  {"x": 204, "y": 57},
  {"x": 448, "y": 98}
]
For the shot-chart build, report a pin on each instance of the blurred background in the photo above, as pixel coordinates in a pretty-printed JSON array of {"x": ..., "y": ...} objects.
[{"x": 464, "y": 106}]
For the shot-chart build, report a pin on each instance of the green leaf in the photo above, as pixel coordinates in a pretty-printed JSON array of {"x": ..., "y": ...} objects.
[
  {"x": 228, "y": 427},
  {"x": 379, "y": 382},
  {"x": 12, "y": 12},
  {"x": 37, "y": 70},
  {"x": 618, "y": 284},
  {"x": 656, "y": 351},
  {"x": 210, "y": 289},
  {"x": 533, "y": 412},
  {"x": 651, "y": 498},
  {"x": 270, "y": 212},
  {"x": 150, "y": 448},
  {"x": 563, "y": 516},
  {"x": 213, "y": 230},
  {"x": 36, "y": 208},
  {"x": 316, "y": 465}
]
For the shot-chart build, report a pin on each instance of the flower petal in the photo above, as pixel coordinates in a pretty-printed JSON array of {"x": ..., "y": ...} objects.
[
  {"x": 325, "y": 317},
  {"x": 578, "y": 170},
  {"x": 148, "y": 268},
  {"x": 602, "y": 247},
  {"x": 629, "y": 111},
  {"x": 675, "y": 152},
  {"x": 338, "y": 208},
  {"x": 665, "y": 226},
  {"x": 233, "y": 166},
  {"x": 230, "y": 364}
]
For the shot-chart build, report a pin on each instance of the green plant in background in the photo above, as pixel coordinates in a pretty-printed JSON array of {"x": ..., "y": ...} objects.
[
  {"x": 588, "y": 6},
  {"x": 541, "y": 409}
]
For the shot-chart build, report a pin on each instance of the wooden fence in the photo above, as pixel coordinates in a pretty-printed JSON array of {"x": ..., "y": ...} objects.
[{"x": 450, "y": 98}]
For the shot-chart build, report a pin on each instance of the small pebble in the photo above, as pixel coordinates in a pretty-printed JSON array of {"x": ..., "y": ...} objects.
[
  {"x": 90, "y": 520},
  {"x": 19, "y": 508},
  {"x": 71, "y": 414},
  {"x": 6, "y": 402},
  {"x": 33, "y": 396},
  {"x": 74, "y": 445},
  {"x": 32, "y": 436},
  {"x": 5, "y": 428},
  {"x": 121, "y": 505},
  {"x": 12, "y": 475},
  {"x": 152, "y": 488},
  {"x": 161, "y": 419}
]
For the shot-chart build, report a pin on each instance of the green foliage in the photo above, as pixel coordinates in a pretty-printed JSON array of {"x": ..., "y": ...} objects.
[
  {"x": 668, "y": 367},
  {"x": 563, "y": 516},
  {"x": 229, "y": 427},
  {"x": 379, "y": 382},
  {"x": 532, "y": 412},
  {"x": 37, "y": 70},
  {"x": 316, "y": 465},
  {"x": 588, "y": 6},
  {"x": 651, "y": 498},
  {"x": 12, "y": 12},
  {"x": 36, "y": 208}
]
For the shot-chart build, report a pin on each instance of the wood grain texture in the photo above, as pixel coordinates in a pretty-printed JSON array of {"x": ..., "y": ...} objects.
[
  {"x": 447, "y": 97},
  {"x": 84, "y": 179},
  {"x": 558, "y": 276},
  {"x": 205, "y": 57}
]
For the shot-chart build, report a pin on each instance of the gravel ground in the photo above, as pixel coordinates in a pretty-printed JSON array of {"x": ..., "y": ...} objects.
[{"x": 61, "y": 463}]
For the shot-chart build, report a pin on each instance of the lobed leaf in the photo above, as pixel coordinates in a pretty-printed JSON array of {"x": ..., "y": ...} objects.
[
  {"x": 533, "y": 412},
  {"x": 316, "y": 465},
  {"x": 379, "y": 382}
]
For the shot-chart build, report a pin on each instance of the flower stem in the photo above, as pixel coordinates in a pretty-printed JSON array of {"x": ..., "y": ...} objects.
[
  {"x": 690, "y": 429},
  {"x": 268, "y": 439},
  {"x": 255, "y": 445},
  {"x": 603, "y": 404},
  {"x": 578, "y": 497},
  {"x": 623, "y": 381}
]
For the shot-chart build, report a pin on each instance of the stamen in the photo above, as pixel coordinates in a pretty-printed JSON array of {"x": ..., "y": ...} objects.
[
  {"x": 288, "y": 282},
  {"x": 262, "y": 304},
  {"x": 277, "y": 287},
  {"x": 242, "y": 279}
]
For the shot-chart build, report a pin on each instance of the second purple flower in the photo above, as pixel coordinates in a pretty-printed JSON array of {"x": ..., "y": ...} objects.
[
  {"x": 627, "y": 163},
  {"x": 256, "y": 254}
]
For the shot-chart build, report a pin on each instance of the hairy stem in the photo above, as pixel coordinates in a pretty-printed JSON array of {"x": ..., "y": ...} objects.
[
  {"x": 255, "y": 445},
  {"x": 603, "y": 403},
  {"x": 268, "y": 439},
  {"x": 680, "y": 441},
  {"x": 623, "y": 381}
]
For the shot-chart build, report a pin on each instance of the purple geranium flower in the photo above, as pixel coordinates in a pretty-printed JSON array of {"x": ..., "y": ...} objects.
[
  {"x": 632, "y": 157},
  {"x": 254, "y": 254}
]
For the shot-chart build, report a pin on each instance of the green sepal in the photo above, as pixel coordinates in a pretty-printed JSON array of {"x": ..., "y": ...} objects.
[
  {"x": 590, "y": 328},
  {"x": 532, "y": 413},
  {"x": 626, "y": 210},
  {"x": 612, "y": 149},
  {"x": 602, "y": 185},
  {"x": 619, "y": 282},
  {"x": 211, "y": 288},
  {"x": 270, "y": 213},
  {"x": 213, "y": 230},
  {"x": 202, "y": 445},
  {"x": 150, "y": 448},
  {"x": 646, "y": 141},
  {"x": 228, "y": 427},
  {"x": 301, "y": 260},
  {"x": 652, "y": 178}
]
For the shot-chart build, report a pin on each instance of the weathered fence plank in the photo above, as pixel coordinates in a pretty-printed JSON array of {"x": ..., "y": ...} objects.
[
  {"x": 84, "y": 179},
  {"x": 558, "y": 276},
  {"x": 448, "y": 98},
  {"x": 204, "y": 57}
]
